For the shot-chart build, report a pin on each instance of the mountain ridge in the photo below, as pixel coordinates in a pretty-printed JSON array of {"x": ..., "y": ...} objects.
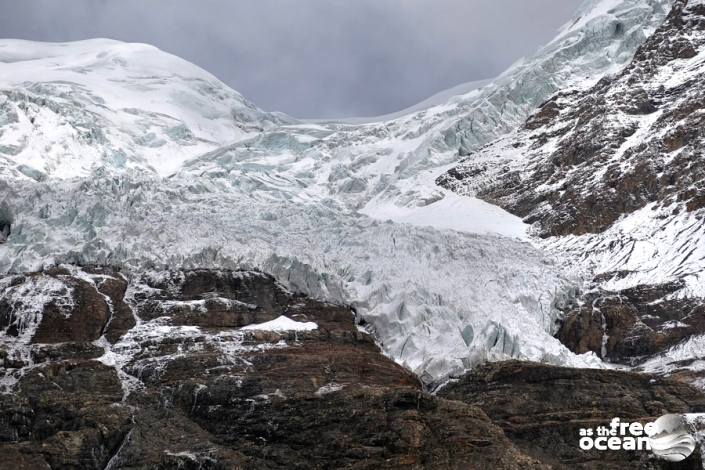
[{"x": 611, "y": 178}]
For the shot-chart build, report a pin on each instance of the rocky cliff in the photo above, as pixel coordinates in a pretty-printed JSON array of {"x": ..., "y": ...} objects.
[
  {"x": 221, "y": 370},
  {"x": 541, "y": 409},
  {"x": 187, "y": 370}
]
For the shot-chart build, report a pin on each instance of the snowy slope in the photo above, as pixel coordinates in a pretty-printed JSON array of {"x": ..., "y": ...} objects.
[
  {"x": 613, "y": 180},
  {"x": 385, "y": 168},
  {"x": 121, "y": 154},
  {"x": 97, "y": 103},
  {"x": 614, "y": 171}
]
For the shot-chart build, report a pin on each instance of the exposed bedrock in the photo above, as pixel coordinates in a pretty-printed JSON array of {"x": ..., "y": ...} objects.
[
  {"x": 631, "y": 325},
  {"x": 542, "y": 408},
  {"x": 587, "y": 158},
  {"x": 185, "y": 386}
]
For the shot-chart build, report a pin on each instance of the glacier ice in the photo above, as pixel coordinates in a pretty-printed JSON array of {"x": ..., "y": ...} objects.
[
  {"x": 426, "y": 293},
  {"x": 120, "y": 154}
]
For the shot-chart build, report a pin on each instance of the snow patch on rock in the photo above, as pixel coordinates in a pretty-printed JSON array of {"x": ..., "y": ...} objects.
[{"x": 282, "y": 323}]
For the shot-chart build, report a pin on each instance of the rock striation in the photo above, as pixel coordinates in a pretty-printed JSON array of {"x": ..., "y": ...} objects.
[
  {"x": 197, "y": 370},
  {"x": 542, "y": 408},
  {"x": 161, "y": 375}
]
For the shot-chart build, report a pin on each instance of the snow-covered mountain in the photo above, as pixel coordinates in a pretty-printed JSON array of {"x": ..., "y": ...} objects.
[
  {"x": 612, "y": 179},
  {"x": 71, "y": 108},
  {"x": 120, "y": 154}
]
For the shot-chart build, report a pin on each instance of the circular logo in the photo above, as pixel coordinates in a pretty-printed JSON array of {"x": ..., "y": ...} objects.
[{"x": 670, "y": 440}]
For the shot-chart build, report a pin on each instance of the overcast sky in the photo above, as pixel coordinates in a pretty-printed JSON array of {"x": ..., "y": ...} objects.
[{"x": 313, "y": 58}]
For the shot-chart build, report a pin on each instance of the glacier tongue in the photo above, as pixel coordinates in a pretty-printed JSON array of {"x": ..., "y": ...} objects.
[
  {"x": 120, "y": 154},
  {"x": 439, "y": 301}
]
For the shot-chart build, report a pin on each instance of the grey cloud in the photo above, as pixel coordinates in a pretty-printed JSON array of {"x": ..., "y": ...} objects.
[{"x": 313, "y": 58}]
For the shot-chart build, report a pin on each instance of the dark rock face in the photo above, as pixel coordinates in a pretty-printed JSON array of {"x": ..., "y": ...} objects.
[
  {"x": 75, "y": 309},
  {"x": 542, "y": 409},
  {"x": 589, "y": 157},
  {"x": 368, "y": 428},
  {"x": 65, "y": 416},
  {"x": 86, "y": 321},
  {"x": 112, "y": 286},
  {"x": 61, "y": 312},
  {"x": 181, "y": 386},
  {"x": 211, "y": 299},
  {"x": 631, "y": 325}
]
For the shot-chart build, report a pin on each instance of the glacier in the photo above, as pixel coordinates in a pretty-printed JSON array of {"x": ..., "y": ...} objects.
[{"x": 121, "y": 154}]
